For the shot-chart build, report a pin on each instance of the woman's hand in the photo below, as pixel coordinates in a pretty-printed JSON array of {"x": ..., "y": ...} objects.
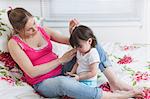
[
  {"x": 68, "y": 56},
  {"x": 72, "y": 24}
]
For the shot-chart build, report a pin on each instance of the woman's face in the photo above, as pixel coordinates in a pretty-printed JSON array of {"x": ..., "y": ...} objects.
[
  {"x": 84, "y": 46},
  {"x": 30, "y": 27}
]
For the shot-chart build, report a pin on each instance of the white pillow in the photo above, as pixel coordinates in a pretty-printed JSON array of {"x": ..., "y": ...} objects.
[
  {"x": 5, "y": 34},
  {"x": 60, "y": 49}
]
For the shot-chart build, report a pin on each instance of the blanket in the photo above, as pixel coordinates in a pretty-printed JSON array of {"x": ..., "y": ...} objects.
[{"x": 131, "y": 63}]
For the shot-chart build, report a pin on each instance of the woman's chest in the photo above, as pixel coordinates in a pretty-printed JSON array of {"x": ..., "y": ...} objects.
[{"x": 37, "y": 41}]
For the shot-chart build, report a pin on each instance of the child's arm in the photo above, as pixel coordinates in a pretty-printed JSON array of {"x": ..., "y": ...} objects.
[
  {"x": 91, "y": 73},
  {"x": 73, "y": 71}
]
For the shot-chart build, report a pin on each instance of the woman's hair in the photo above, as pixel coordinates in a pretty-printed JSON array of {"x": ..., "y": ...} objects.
[
  {"x": 82, "y": 32},
  {"x": 18, "y": 18}
]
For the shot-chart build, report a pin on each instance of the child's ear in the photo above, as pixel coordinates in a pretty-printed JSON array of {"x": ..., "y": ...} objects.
[{"x": 90, "y": 41}]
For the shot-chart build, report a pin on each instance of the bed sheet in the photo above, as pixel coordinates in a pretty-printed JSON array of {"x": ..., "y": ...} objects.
[{"x": 131, "y": 63}]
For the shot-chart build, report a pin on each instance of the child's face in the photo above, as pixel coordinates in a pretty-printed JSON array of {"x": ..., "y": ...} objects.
[{"x": 85, "y": 46}]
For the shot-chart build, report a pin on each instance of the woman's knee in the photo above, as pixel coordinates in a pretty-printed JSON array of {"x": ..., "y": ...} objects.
[
  {"x": 52, "y": 87},
  {"x": 63, "y": 80},
  {"x": 67, "y": 83}
]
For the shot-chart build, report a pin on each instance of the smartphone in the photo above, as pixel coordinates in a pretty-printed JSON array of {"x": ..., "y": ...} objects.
[{"x": 72, "y": 75}]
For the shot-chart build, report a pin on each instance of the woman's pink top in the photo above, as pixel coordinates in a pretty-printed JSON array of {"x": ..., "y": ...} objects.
[{"x": 38, "y": 57}]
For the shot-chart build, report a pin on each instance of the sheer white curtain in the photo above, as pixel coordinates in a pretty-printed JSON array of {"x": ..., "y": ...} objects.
[{"x": 92, "y": 10}]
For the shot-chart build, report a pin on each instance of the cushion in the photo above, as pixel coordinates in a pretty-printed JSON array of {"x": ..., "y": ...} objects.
[{"x": 5, "y": 30}]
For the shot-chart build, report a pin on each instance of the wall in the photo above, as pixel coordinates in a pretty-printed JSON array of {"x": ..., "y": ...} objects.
[
  {"x": 119, "y": 31},
  {"x": 31, "y": 5},
  {"x": 148, "y": 21},
  {"x": 105, "y": 31}
]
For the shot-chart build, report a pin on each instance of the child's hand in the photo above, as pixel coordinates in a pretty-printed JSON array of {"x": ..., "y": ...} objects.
[
  {"x": 72, "y": 24},
  {"x": 75, "y": 76},
  {"x": 72, "y": 75},
  {"x": 69, "y": 74}
]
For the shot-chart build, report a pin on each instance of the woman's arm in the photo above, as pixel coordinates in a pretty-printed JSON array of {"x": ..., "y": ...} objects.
[
  {"x": 56, "y": 36},
  {"x": 25, "y": 64},
  {"x": 72, "y": 24}
]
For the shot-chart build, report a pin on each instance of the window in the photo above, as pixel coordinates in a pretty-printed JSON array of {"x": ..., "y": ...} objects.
[{"x": 92, "y": 10}]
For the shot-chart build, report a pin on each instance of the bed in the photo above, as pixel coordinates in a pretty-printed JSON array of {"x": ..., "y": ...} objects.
[{"x": 131, "y": 63}]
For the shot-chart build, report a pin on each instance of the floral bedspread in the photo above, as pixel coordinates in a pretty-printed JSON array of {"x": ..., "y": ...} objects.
[
  {"x": 131, "y": 63},
  {"x": 12, "y": 84}
]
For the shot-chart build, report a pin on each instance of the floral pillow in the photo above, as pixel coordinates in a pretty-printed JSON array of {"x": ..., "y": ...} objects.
[
  {"x": 9, "y": 71},
  {"x": 7, "y": 60}
]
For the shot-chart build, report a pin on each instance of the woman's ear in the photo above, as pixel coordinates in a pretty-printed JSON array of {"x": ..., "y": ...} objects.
[{"x": 90, "y": 41}]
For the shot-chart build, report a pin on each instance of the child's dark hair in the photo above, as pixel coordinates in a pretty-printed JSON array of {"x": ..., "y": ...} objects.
[
  {"x": 18, "y": 18},
  {"x": 83, "y": 33}
]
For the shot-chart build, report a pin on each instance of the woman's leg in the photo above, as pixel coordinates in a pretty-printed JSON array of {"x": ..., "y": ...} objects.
[
  {"x": 106, "y": 67},
  {"x": 61, "y": 86},
  {"x": 114, "y": 81},
  {"x": 105, "y": 62},
  {"x": 122, "y": 95}
]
